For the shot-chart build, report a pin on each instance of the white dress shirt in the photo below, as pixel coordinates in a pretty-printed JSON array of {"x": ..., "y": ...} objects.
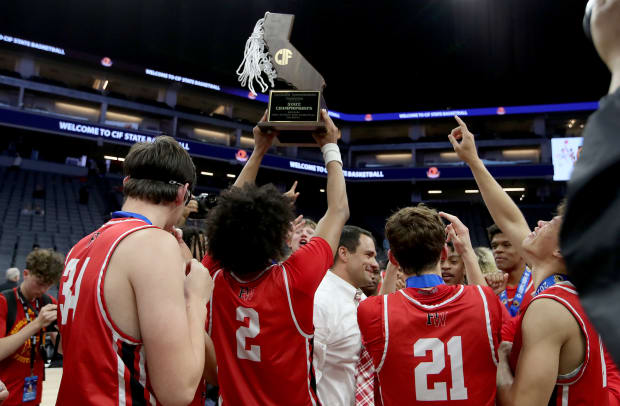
[{"x": 337, "y": 340}]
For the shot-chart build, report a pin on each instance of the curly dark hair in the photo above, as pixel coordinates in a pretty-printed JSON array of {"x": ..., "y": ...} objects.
[
  {"x": 46, "y": 264},
  {"x": 247, "y": 228}
]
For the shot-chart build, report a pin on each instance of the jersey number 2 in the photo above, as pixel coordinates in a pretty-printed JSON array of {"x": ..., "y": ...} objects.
[
  {"x": 71, "y": 299},
  {"x": 251, "y": 331},
  {"x": 458, "y": 391}
]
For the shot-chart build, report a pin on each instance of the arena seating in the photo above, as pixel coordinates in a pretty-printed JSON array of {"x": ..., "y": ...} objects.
[{"x": 63, "y": 222}]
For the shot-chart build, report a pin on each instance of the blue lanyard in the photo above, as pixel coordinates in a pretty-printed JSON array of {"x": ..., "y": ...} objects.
[
  {"x": 424, "y": 281},
  {"x": 550, "y": 281},
  {"x": 128, "y": 214},
  {"x": 514, "y": 307}
]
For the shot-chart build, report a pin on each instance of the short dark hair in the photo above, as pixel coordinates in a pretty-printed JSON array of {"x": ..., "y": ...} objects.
[
  {"x": 492, "y": 230},
  {"x": 416, "y": 236},
  {"x": 45, "y": 264},
  {"x": 151, "y": 167},
  {"x": 247, "y": 228},
  {"x": 350, "y": 238}
]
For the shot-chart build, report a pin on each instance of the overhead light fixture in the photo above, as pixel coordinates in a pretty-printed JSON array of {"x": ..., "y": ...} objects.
[
  {"x": 122, "y": 117},
  {"x": 514, "y": 189},
  {"x": 521, "y": 153},
  {"x": 322, "y": 190},
  {"x": 230, "y": 175},
  {"x": 206, "y": 173},
  {"x": 105, "y": 84},
  {"x": 471, "y": 191},
  {"x": 435, "y": 192},
  {"x": 393, "y": 157},
  {"x": 212, "y": 134},
  {"x": 113, "y": 158},
  {"x": 448, "y": 155},
  {"x": 76, "y": 109},
  {"x": 247, "y": 140}
]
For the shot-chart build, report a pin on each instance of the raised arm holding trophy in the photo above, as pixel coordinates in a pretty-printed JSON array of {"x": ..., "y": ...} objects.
[{"x": 294, "y": 110}]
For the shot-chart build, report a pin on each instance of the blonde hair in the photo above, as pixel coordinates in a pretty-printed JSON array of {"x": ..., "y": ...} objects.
[{"x": 485, "y": 260}]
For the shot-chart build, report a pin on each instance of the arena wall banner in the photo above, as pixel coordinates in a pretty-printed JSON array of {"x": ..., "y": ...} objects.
[
  {"x": 54, "y": 124},
  {"x": 11, "y": 40}
]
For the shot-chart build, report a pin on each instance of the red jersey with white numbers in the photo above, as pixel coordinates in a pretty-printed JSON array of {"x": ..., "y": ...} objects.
[
  {"x": 102, "y": 365},
  {"x": 262, "y": 329},
  {"x": 586, "y": 385},
  {"x": 434, "y": 347}
]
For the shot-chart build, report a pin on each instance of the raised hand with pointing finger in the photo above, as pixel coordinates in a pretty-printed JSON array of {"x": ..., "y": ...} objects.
[{"x": 466, "y": 148}]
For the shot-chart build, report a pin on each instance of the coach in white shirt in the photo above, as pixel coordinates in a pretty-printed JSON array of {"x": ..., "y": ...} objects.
[{"x": 337, "y": 339}]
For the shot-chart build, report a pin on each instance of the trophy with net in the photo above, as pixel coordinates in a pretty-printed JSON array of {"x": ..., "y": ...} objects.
[{"x": 270, "y": 58}]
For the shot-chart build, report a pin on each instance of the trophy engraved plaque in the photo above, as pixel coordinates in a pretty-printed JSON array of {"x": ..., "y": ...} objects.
[{"x": 294, "y": 110}]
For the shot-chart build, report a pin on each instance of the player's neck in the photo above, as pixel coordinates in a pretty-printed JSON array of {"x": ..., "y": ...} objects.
[
  {"x": 432, "y": 271},
  {"x": 544, "y": 270},
  {"x": 158, "y": 214},
  {"x": 514, "y": 277}
]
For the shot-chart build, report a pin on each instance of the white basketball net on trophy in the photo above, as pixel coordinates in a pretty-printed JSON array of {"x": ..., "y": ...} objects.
[{"x": 256, "y": 61}]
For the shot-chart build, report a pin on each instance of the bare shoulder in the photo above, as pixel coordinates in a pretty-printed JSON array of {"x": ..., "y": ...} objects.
[
  {"x": 148, "y": 249},
  {"x": 547, "y": 318}
]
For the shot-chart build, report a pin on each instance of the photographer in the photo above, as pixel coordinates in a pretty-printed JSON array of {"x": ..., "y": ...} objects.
[{"x": 25, "y": 312}]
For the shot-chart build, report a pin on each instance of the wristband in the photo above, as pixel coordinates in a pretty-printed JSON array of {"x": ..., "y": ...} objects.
[{"x": 331, "y": 152}]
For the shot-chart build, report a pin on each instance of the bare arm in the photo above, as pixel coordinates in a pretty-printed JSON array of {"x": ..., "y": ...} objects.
[
  {"x": 389, "y": 282},
  {"x": 10, "y": 344},
  {"x": 210, "y": 371},
  {"x": 458, "y": 233},
  {"x": 330, "y": 226},
  {"x": 171, "y": 312},
  {"x": 262, "y": 143},
  {"x": 544, "y": 334},
  {"x": 503, "y": 209}
]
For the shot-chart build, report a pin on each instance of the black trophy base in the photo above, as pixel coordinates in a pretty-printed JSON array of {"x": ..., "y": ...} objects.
[{"x": 296, "y": 133}]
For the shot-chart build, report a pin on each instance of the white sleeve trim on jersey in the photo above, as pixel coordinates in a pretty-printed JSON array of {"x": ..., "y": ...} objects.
[
  {"x": 487, "y": 317},
  {"x": 569, "y": 288},
  {"x": 211, "y": 302},
  {"x": 456, "y": 295},
  {"x": 69, "y": 256},
  {"x": 387, "y": 333},
  {"x": 290, "y": 304},
  {"x": 308, "y": 372},
  {"x": 565, "y": 389},
  {"x": 120, "y": 370},
  {"x": 603, "y": 364},
  {"x": 102, "y": 310},
  {"x": 579, "y": 371}
]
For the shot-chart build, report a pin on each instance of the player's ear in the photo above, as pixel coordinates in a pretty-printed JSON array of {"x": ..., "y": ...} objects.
[
  {"x": 392, "y": 259},
  {"x": 343, "y": 254},
  {"x": 125, "y": 179}
]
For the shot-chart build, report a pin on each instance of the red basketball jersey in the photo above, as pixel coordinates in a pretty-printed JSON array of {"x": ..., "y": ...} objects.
[
  {"x": 434, "y": 347},
  {"x": 587, "y": 385},
  {"x": 102, "y": 365},
  {"x": 262, "y": 329}
]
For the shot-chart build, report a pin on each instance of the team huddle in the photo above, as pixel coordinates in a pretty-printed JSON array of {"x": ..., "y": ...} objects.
[
  {"x": 285, "y": 311},
  {"x": 143, "y": 323}
]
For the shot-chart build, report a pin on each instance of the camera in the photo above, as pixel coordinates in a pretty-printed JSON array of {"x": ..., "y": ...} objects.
[{"x": 206, "y": 202}]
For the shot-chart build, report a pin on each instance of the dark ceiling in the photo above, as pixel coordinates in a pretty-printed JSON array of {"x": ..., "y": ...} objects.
[{"x": 376, "y": 56}]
